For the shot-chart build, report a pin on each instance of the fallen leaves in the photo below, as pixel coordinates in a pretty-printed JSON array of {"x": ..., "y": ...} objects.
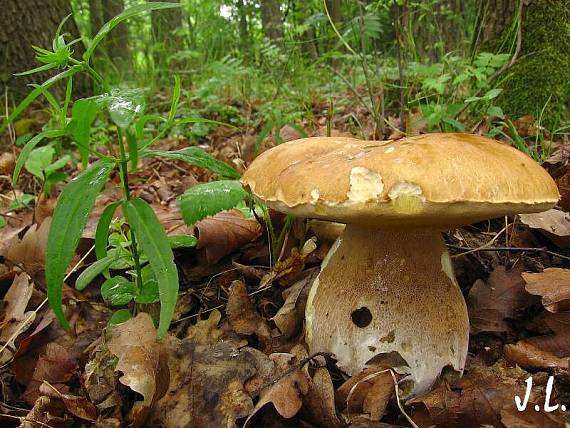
[
  {"x": 553, "y": 285},
  {"x": 29, "y": 252},
  {"x": 243, "y": 316},
  {"x": 16, "y": 320},
  {"x": 136, "y": 345},
  {"x": 492, "y": 303},
  {"x": 554, "y": 224},
  {"x": 225, "y": 232},
  {"x": 206, "y": 385},
  {"x": 481, "y": 397}
]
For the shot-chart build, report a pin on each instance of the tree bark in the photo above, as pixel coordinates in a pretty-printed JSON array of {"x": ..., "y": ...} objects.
[
  {"x": 164, "y": 25},
  {"x": 272, "y": 20},
  {"x": 335, "y": 11},
  {"x": 117, "y": 41},
  {"x": 26, "y": 23},
  {"x": 243, "y": 28},
  {"x": 95, "y": 16},
  {"x": 537, "y": 83}
]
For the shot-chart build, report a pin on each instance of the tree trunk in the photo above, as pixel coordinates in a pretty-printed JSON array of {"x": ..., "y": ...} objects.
[
  {"x": 272, "y": 21},
  {"x": 26, "y": 23},
  {"x": 243, "y": 30},
  {"x": 165, "y": 24},
  {"x": 537, "y": 83},
  {"x": 95, "y": 16},
  {"x": 117, "y": 42},
  {"x": 335, "y": 11}
]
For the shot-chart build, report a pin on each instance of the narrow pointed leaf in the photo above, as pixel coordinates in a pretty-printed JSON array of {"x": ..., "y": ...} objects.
[
  {"x": 126, "y": 14},
  {"x": 154, "y": 243},
  {"x": 89, "y": 274},
  {"x": 197, "y": 157},
  {"x": 102, "y": 232},
  {"x": 69, "y": 219}
]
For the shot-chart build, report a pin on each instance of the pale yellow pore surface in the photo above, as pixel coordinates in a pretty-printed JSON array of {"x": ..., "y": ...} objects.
[{"x": 433, "y": 180}]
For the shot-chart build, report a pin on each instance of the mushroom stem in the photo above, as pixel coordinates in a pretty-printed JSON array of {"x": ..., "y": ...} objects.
[{"x": 389, "y": 298}]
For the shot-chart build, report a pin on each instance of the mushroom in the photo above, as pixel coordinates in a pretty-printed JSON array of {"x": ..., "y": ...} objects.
[{"x": 386, "y": 293}]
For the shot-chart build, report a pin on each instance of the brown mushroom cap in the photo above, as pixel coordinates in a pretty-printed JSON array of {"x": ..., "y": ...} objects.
[{"x": 433, "y": 180}]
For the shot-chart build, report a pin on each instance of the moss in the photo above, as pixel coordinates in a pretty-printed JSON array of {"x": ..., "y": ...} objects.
[{"x": 541, "y": 75}]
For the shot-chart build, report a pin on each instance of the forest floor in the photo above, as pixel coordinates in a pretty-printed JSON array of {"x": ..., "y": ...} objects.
[{"x": 235, "y": 353}]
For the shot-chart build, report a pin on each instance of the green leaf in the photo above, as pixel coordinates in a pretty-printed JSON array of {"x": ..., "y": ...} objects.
[
  {"x": 39, "y": 69},
  {"x": 197, "y": 157},
  {"x": 37, "y": 92},
  {"x": 119, "y": 317},
  {"x": 493, "y": 93},
  {"x": 149, "y": 293},
  {"x": 39, "y": 159},
  {"x": 30, "y": 145},
  {"x": 182, "y": 241},
  {"x": 154, "y": 244},
  {"x": 118, "y": 291},
  {"x": 206, "y": 199},
  {"x": 69, "y": 219},
  {"x": 2, "y": 222},
  {"x": 52, "y": 179},
  {"x": 21, "y": 201},
  {"x": 175, "y": 99},
  {"x": 126, "y": 14},
  {"x": 141, "y": 122},
  {"x": 83, "y": 115},
  {"x": 58, "y": 164},
  {"x": 125, "y": 105},
  {"x": 102, "y": 232},
  {"x": 95, "y": 269}
]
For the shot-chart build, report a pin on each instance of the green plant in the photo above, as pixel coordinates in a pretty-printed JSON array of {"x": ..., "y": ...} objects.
[
  {"x": 146, "y": 246},
  {"x": 41, "y": 164}
]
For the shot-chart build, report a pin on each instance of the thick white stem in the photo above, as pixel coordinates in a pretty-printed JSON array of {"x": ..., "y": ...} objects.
[{"x": 389, "y": 298}]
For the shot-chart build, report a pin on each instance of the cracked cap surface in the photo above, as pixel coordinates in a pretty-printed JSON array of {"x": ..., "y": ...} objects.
[{"x": 432, "y": 180}]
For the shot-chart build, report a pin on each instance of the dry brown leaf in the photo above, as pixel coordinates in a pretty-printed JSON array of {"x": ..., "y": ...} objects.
[
  {"x": 529, "y": 356},
  {"x": 224, "y": 233},
  {"x": 366, "y": 394},
  {"x": 76, "y": 405},
  {"x": 319, "y": 404},
  {"x": 29, "y": 252},
  {"x": 7, "y": 163},
  {"x": 478, "y": 398},
  {"x": 206, "y": 385},
  {"x": 492, "y": 303},
  {"x": 243, "y": 316},
  {"x": 288, "y": 270},
  {"x": 513, "y": 418},
  {"x": 16, "y": 320},
  {"x": 206, "y": 332},
  {"x": 290, "y": 317},
  {"x": 557, "y": 343},
  {"x": 284, "y": 387},
  {"x": 554, "y": 224},
  {"x": 135, "y": 344},
  {"x": 553, "y": 285},
  {"x": 55, "y": 366}
]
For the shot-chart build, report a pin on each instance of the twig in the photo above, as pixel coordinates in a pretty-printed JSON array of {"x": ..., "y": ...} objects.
[{"x": 513, "y": 249}]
